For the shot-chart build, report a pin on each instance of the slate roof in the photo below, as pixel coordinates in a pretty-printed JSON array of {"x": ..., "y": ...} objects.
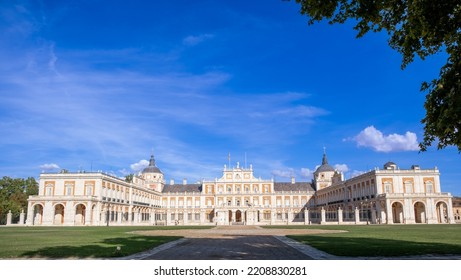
[
  {"x": 181, "y": 188},
  {"x": 288, "y": 186}
]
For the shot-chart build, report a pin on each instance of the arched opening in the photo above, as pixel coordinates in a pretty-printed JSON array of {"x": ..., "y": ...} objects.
[
  {"x": 38, "y": 214},
  {"x": 230, "y": 216},
  {"x": 80, "y": 210},
  {"x": 442, "y": 212},
  {"x": 58, "y": 214},
  {"x": 397, "y": 213},
  {"x": 420, "y": 212},
  {"x": 238, "y": 216}
]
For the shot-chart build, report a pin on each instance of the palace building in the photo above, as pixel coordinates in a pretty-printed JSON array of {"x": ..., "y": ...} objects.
[{"x": 382, "y": 196}]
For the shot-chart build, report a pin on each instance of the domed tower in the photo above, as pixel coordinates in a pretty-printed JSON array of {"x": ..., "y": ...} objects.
[
  {"x": 153, "y": 177},
  {"x": 324, "y": 174}
]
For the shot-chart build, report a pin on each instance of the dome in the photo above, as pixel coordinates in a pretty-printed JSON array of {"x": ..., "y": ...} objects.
[
  {"x": 325, "y": 167},
  {"x": 390, "y": 165},
  {"x": 151, "y": 168}
]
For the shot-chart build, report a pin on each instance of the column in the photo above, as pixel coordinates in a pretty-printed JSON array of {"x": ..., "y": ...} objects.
[
  {"x": 9, "y": 218},
  {"x": 340, "y": 215},
  {"x": 130, "y": 214},
  {"x": 273, "y": 216},
  {"x": 104, "y": 214},
  {"x": 357, "y": 215},
  {"x": 322, "y": 215},
  {"x": 21, "y": 217},
  {"x": 290, "y": 216},
  {"x": 168, "y": 217},
  {"x": 152, "y": 216},
  {"x": 202, "y": 216},
  {"x": 442, "y": 216},
  {"x": 30, "y": 214},
  {"x": 69, "y": 214},
  {"x": 451, "y": 217},
  {"x": 88, "y": 211},
  {"x": 48, "y": 217},
  {"x": 306, "y": 216},
  {"x": 119, "y": 215},
  {"x": 186, "y": 217},
  {"x": 233, "y": 216},
  {"x": 389, "y": 217}
]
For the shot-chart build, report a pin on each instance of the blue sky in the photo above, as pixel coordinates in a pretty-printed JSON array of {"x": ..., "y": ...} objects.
[{"x": 97, "y": 85}]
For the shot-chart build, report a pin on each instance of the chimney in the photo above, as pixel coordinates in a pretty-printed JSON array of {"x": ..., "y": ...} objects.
[
  {"x": 184, "y": 181},
  {"x": 171, "y": 181},
  {"x": 292, "y": 180}
]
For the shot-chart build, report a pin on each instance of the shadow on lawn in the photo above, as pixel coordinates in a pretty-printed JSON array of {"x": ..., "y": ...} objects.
[
  {"x": 106, "y": 248},
  {"x": 375, "y": 247}
]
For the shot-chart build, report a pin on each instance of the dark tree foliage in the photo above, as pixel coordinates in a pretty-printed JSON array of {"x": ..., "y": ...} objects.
[
  {"x": 418, "y": 27},
  {"x": 14, "y": 194}
]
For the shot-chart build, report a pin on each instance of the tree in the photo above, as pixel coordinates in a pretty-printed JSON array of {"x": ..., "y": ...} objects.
[
  {"x": 129, "y": 178},
  {"x": 415, "y": 27},
  {"x": 14, "y": 194}
]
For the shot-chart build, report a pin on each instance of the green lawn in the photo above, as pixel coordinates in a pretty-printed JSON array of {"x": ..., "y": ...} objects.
[
  {"x": 386, "y": 240},
  {"x": 78, "y": 242}
]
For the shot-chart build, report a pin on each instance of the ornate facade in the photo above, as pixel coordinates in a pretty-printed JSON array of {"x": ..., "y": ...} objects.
[{"x": 387, "y": 196}]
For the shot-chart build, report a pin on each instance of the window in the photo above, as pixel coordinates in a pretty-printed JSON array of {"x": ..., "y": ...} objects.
[
  {"x": 89, "y": 190},
  {"x": 429, "y": 187},
  {"x": 69, "y": 190},
  {"x": 387, "y": 187},
  {"x": 49, "y": 190},
  {"x": 408, "y": 187}
]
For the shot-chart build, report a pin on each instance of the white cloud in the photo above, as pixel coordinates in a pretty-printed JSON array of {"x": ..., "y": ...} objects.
[
  {"x": 287, "y": 173},
  {"x": 375, "y": 139},
  {"x": 194, "y": 40},
  {"x": 356, "y": 173},
  {"x": 306, "y": 173},
  {"x": 342, "y": 167},
  {"x": 49, "y": 166},
  {"x": 124, "y": 172},
  {"x": 140, "y": 165}
]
